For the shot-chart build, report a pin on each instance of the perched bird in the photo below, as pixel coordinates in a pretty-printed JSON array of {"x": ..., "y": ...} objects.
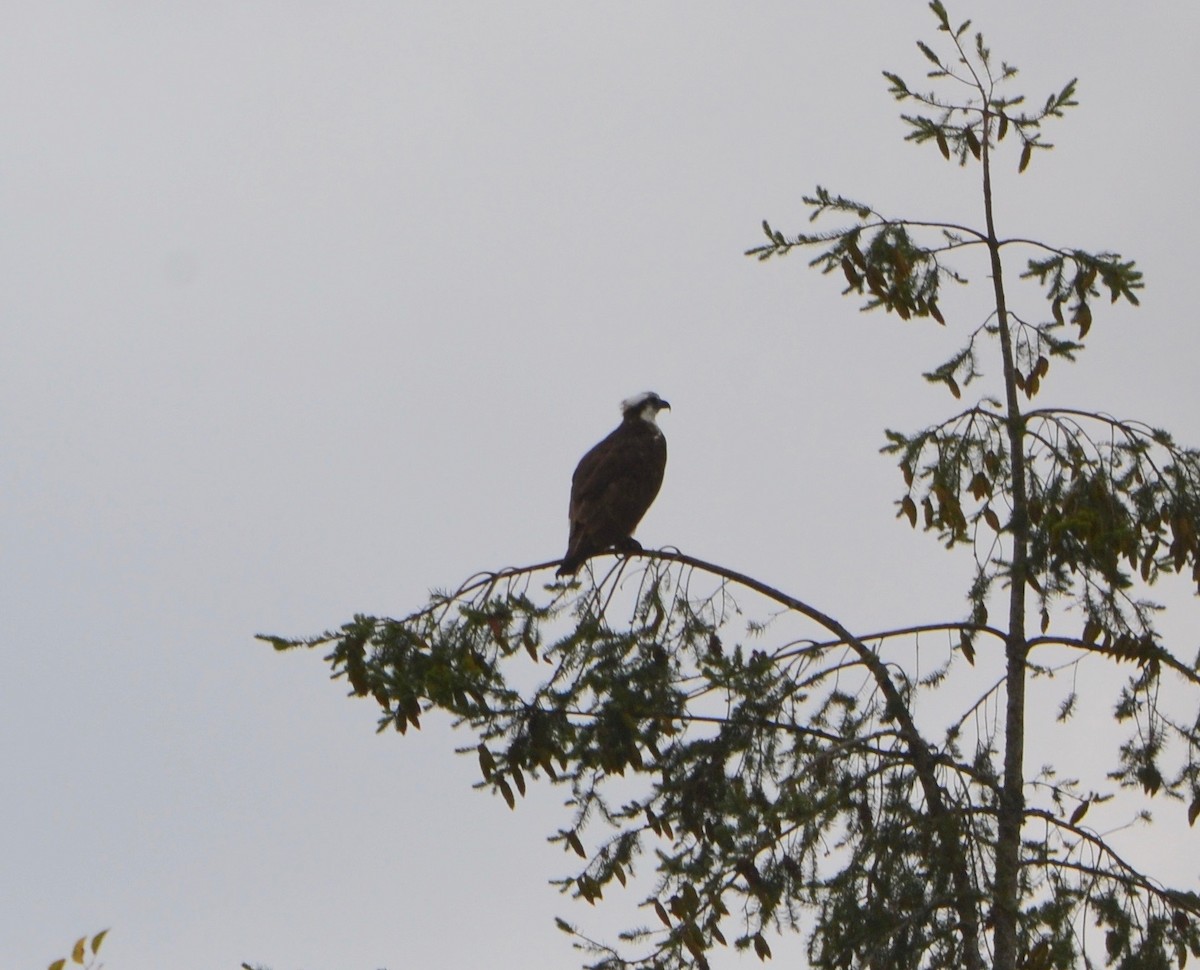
[{"x": 615, "y": 483}]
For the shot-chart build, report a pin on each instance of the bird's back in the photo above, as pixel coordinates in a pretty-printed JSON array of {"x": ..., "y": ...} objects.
[{"x": 613, "y": 486}]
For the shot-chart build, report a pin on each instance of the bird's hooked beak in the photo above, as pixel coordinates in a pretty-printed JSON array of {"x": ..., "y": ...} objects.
[{"x": 649, "y": 410}]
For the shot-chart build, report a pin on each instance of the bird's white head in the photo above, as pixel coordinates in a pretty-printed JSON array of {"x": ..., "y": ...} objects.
[{"x": 645, "y": 406}]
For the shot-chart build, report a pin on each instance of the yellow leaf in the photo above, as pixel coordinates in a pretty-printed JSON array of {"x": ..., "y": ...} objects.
[
  {"x": 78, "y": 951},
  {"x": 97, "y": 940},
  {"x": 506, "y": 791},
  {"x": 58, "y": 964},
  {"x": 693, "y": 941},
  {"x": 486, "y": 762},
  {"x": 991, "y": 518},
  {"x": 589, "y": 889},
  {"x": 968, "y": 648},
  {"x": 972, "y": 142},
  {"x": 856, "y": 254},
  {"x": 1083, "y": 317},
  {"x": 412, "y": 710}
]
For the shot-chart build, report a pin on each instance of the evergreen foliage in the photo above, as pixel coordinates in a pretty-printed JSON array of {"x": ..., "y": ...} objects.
[{"x": 749, "y": 765}]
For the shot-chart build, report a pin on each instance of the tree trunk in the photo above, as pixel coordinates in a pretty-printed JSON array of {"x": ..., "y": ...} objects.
[{"x": 1012, "y": 790}]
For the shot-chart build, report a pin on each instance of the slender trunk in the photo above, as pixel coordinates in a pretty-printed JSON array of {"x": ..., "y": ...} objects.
[{"x": 1012, "y": 789}]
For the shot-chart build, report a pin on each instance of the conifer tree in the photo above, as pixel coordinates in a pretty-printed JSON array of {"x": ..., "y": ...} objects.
[{"x": 747, "y": 764}]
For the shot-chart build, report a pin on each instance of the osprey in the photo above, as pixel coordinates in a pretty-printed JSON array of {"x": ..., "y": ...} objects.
[{"x": 615, "y": 483}]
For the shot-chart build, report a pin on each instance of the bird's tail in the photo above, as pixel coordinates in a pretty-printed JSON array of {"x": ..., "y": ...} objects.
[
  {"x": 579, "y": 550},
  {"x": 570, "y": 565}
]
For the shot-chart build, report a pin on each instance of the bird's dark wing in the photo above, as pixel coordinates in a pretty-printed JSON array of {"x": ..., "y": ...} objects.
[
  {"x": 594, "y": 471},
  {"x": 613, "y": 486}
]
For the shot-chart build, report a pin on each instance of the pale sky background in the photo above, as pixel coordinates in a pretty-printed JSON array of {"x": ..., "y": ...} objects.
[{"x": 310, "y": 307}]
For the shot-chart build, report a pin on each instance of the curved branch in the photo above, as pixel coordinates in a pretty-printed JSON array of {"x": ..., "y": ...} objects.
[
  {"x": 924, "y": 760},
  {"x": 1158, "y": 653},
  {"x": 1129, "y": 875},
  {"x": 963, "y": 626}
]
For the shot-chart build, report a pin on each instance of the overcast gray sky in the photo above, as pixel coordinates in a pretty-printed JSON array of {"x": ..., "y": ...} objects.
[{"x": 310, "y": 307}]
